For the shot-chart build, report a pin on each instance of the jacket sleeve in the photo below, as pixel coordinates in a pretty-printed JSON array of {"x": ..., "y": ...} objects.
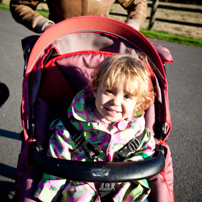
[
  {"x": 59, "y": 147},
  {"x": 23, "y": 11},
  {"x": 137, "y": 12}
]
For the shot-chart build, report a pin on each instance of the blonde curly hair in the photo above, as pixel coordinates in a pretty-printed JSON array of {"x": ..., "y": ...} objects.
[{"x": 132, "y": 71}]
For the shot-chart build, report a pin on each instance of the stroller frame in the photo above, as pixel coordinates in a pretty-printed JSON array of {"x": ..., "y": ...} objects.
[{"x": 43, "y": 53}]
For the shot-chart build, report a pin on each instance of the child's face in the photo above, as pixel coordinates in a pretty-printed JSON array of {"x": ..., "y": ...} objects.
[{"x": 114, "y": 104}]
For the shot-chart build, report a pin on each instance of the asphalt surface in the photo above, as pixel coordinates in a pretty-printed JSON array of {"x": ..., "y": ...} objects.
[{"x": 185, "y": 93}]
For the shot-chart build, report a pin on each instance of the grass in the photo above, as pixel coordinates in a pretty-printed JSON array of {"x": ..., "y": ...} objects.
[
  {"x": 4, "y": 6},
  {"x": 146, "y": 33},
  {"x": 43, "y": 13},
  {"x": 172, "y": 38}
]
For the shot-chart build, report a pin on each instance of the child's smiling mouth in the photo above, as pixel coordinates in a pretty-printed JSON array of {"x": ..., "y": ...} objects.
[{"x": 112, "y": 110}]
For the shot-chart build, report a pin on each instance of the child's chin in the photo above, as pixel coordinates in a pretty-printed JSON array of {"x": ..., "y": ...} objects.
[{"x": 112, "y": 120}]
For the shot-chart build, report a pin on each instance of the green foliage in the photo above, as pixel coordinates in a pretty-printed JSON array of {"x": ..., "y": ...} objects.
[
  {"x": 172, "y": 38},
  {"x": 4, "y": 6},
  {"x": 43, "y": 13}
]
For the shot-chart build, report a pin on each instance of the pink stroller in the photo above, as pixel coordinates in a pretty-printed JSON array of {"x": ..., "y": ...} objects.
[{"x": 57, "y": 67}]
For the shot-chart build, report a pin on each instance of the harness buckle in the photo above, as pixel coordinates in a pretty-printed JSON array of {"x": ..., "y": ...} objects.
[
  {"x": 88, "y": 148},
  {"x": 133, "y": 144},
  {"x": 79, "y": 138},
  {"x": 107, "y": 187}
]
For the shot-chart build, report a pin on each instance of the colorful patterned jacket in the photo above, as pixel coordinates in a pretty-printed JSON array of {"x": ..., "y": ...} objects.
[{"x": 106, "y": 141}]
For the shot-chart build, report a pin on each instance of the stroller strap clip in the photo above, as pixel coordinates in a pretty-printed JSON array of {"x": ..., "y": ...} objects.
[
  {"x": 86, "y": 146},
  {"x": 106, "y": 191},
  {"x": 107, "y": 187},
  {"x": 80, "y": 140},
  {"x": 131, "y": 146}
]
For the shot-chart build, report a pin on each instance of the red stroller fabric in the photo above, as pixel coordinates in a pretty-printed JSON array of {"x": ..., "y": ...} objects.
[{"x": 47, "y": 81}]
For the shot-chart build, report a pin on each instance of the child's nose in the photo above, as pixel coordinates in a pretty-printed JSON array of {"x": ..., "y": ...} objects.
[{"x": 116, "y": 100}]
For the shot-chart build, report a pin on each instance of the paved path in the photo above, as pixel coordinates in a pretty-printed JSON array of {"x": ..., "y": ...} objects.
[{"x": 185, "y": 93}]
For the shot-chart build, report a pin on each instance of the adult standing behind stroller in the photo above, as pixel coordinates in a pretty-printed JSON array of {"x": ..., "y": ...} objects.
[{"x": 24, "y": 11}]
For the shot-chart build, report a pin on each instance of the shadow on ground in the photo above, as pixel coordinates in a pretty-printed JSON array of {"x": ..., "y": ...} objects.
[
  {"x": 7, "y": 173},
  {"x": 7, "y": 188},
  {"x": 9, "y": 134}
]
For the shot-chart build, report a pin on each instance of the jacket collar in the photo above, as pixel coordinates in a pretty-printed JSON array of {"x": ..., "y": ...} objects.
[{"x": 82, "y": 108}]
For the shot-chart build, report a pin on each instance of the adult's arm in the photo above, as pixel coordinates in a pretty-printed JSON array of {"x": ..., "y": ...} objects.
[
  {"x": 137, "y": 12},
  {"x": 23, "y": 11}
]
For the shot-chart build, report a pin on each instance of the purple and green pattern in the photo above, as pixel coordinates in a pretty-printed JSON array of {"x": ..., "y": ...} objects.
[{"x": 107, "y": 142}]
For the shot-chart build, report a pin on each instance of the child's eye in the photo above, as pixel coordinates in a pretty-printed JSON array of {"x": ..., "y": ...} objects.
[
  {"x": 128, "y": 96},
  {"x": 109, "y": 91}
]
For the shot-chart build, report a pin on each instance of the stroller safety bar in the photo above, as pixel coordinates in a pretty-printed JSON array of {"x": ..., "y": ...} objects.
[{"x": 98, "y": 171}]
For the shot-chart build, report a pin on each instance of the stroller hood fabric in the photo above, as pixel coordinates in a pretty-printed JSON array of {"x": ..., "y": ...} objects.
[
  {"x": 61, "y": 38},
  {"x": 49, "y": 86}
]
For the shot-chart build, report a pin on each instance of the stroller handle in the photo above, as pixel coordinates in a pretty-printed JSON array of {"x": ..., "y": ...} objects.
[{"x": 98, "y": 171}]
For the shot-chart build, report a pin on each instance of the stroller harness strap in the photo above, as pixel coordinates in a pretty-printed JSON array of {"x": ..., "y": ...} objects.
[
  {"x": 130, "y": 147},
  {"x": 92, "y": 153},
  {"x": 80, "y": 139},
  {"x": 106, "y": 190}
]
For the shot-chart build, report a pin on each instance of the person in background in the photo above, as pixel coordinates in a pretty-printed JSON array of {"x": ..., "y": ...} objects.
[
  {"x": 23, "y": 11},
  {"x": 4, "y": 93}
]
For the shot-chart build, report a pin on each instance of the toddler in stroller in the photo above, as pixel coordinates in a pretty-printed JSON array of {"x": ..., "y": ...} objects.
[
  {"x": 59, "y": 66},
  {"x": 110, "y": 115}
]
